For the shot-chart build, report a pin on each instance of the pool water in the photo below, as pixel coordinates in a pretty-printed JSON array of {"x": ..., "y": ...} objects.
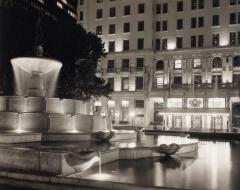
[{"x": 215, "y": 165}]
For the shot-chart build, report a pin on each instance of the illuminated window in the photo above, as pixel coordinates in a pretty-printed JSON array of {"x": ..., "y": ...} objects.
[
  {"x": 160, "y": 81},
  {"x": 216, "y": 102},
  {"x": 111, "y": 103},
  {"x": 178, "y": 64},
  {"x": 125, "y": 83},
  {"x": 98, "y": 103},
  {"x": 174, "y": 102},
  {"x": 125, "y": 103},
  {"x": 197, "y": 63}
]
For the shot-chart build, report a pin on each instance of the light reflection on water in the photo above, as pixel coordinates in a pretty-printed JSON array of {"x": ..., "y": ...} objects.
[{"x": 214, "y": 166}]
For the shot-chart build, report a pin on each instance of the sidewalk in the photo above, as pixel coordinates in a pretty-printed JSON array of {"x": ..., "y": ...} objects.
[{"x": 200, "y": 133}]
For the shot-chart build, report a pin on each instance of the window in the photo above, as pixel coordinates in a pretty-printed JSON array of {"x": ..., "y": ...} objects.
[
  {"x": 200, "y": 22},
  {"x": 139, "y": 83},
  {"x": 215, "y": 40},
  {"x": 125, "y": 65},
  {"x": 140, "y": 43},
  {"x": 158, "y": 44},
  {"x": 200, "y": 40},
  {"x": 194, "y": 22},
  {"x": 140, "y": 25},
  {"x": 158, "y": 26},
  {"x": 178, "y": 64},
  {"x": 139, "y": 103},
  {"x": 127, "y": 10},
  {"x": 215, "y": 3},
  {"x": 126, "y": 27},
  {"x": 233, "y": 18},
  {"x": 233, "y": 40},
  {"x": 125, "y": 45},
  {"x": 140, "y": 63},
  {"x": 180, "y": 6},
  {"x": 216, "y": 102},
  {"x": 164, "y": 25},
  {"x": 110, "y": 66},
  {"x": 99, "y": 30},
  {"x": 179, "y": 42},
  {"x": 238, "y": 38},
  {"x": 236, "y": 61},
  {"x": 197, "y": 80},
  {"x": 112, "y": 29},
  {"x": 235, "y": 80},
  {"x": 160, "y": 65},
  {"x": 217, "y": 62},
  {"x": 125, "y": 83},
  {"x": 179, "y": 24},
  {"x": 164, "y": 44},
  {"x": 194, "y": 4},
  {"x": 193, "y": 41},
  {"x": 111, "y": 83},
  {"x": 99, "y": 13},
  {"x": 201, "y": 4},
  {"x": 159, "y": 9},
  {"x": 159, "y": 81},
  {"x": 177, "y": 80},
  {"x": 81, "y": 2},
  {"x": 141, "y": 8},
  {"x": 197, "y": 63},
  {"x": 111, "y": 46},
  {"x": 81, "y": 15},
  {"x": 215, "y": 20},
  {"x": 99, "y": 1},
  {"x": 165, "y": 8},
  {"x": 112, "y": 12},
  {"x": 234, "y": 2}
]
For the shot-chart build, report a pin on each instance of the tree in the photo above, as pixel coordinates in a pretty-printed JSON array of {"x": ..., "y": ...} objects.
[{"x": 65, "y": 41}]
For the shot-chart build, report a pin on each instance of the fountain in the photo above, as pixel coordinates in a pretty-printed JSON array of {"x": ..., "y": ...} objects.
[{"x": 35, "y": 76}]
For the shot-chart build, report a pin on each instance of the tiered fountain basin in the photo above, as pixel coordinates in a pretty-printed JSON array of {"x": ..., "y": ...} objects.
[
  {"x": 28, "y": 119},
  {"x": 61, "y": 158}
]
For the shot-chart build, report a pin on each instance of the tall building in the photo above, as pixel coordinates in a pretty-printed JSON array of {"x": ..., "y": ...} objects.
[{"x": 175, "y": 63}]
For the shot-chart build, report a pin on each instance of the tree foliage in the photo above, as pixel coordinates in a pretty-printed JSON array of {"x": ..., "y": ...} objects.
[{"x": 67, "y": 42}]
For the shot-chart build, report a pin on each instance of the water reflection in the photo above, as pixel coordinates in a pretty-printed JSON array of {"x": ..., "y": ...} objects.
[{"x": 214, "y": 166}]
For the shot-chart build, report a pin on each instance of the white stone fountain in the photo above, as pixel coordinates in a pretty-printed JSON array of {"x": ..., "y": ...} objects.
[{"x": 35, "y": 76}]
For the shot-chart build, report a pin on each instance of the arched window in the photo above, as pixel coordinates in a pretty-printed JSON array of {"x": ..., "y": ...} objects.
[
  {"x": 160, "y": 65},
  {"x": 236, "y": 61},
  {"x": 217, "y": 62}
]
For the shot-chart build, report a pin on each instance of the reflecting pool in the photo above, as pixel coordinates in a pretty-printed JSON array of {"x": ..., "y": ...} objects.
[{"x": 216, "y": 165}]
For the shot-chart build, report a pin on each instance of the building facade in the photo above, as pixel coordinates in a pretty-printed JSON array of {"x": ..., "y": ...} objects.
[{"x": 171, "y": 63}]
